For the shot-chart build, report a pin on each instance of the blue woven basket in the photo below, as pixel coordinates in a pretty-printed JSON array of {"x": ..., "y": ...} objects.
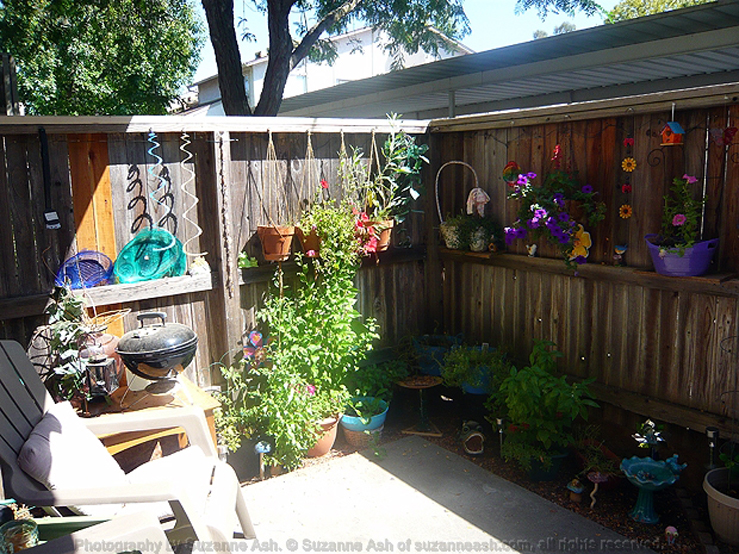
[{"x": 89, "y": 268}]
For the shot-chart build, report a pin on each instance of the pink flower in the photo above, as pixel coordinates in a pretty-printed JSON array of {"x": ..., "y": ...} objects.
[
  {"x": 310, "y": 389},
  {"x": 678, "y": 220},
  {"x": 690, "y": 179},
  {"x": 311, "y": 254},
  {"x": 324, "y": 183}
]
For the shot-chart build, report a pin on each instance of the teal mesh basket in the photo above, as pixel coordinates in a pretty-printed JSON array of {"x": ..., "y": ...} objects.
[{"x": 152, "y": 254}]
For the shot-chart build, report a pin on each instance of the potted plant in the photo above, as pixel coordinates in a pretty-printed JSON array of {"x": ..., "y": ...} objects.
[
  {"x": 471, "y": 232},
  {"x": 542, "y": 408},
  {"x": 557, "y": 209},
  {"x": 676, "y": 251},
  {"x": 318, "y": 336},
  {"x": 371, "y": 386},
  {"x": 382, "y": 198},
  {"x": 475, "y": 369},
  {"x": 430, "y": 350}
]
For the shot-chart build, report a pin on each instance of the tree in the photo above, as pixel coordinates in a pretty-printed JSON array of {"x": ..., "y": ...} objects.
[
  {"x": 630, "y": 9},
  {"x": 100, "y": 57},
  {"x": 410, "y": 24}
]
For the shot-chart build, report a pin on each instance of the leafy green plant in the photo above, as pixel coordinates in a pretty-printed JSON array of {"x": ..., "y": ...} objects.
[
  {"x": 729, "y": 455},
  {"x": 591, "y": 448},
  {"x": 466, "y": 227},
  {"x": 365, "y": 408},
  {"x": 245, "y": 261},
  {"x": 66, "y": 333},
  {"x": 542, "y": 407},
  {"x": 681, "y": 216},
  {"x": 476, "y": 366},
  {"x": 376, "y": 380},
  {"x": 387, "y": 192}
]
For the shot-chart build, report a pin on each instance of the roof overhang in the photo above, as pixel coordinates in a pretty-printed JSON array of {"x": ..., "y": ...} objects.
[{"x": 686, "y": 48}]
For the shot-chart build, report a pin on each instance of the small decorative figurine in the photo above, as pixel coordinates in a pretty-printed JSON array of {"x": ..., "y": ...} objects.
[
  {"x": 576, "y": 489},
  {"x": 670, "y": 534},
  {"x": 510, "y": 173},
  {"x": 476, "y": 201},
  {"x": 531, "y": 248},
  {"x": 618, "y": 254}
]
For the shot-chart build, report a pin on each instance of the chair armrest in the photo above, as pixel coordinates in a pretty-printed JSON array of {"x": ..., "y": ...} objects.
[{"x": 190, "y": 418}]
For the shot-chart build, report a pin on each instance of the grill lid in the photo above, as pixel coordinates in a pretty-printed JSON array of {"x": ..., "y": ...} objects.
[{"x": 156, "y": 338}]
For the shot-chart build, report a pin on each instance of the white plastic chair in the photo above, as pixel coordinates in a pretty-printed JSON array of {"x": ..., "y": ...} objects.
[{"x": 23, "y": 403}]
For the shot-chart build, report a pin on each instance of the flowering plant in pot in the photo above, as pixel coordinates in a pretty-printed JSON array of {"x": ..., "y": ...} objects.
[
  {"x": 557, "y": 209},
  {"x": 542, "y": 408},
  {"x": 383, "y": 197},
  {"x": 676, "y": 250}
]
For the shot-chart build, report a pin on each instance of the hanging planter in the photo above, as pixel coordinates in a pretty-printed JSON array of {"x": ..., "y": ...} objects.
[
  {"x": 691, "y": 261},
  {"x": 310, "y": 243},
  {"x": 385, "y": 231},
  {"x": 276, "y": 241}
]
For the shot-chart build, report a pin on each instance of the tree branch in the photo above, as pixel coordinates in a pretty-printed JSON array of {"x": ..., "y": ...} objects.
[{"x": 311, "y": 37}]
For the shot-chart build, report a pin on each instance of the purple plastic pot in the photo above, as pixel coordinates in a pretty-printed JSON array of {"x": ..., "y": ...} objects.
[{"x": 694, "y": 261}]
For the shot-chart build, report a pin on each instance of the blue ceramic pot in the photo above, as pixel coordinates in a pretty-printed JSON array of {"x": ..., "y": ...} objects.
[{"x": 354, "y": 423}]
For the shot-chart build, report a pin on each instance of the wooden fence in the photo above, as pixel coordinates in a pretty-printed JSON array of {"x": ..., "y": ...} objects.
[
  {"x": 106, "y": 183},
  {"x": 659, "y": 346}
]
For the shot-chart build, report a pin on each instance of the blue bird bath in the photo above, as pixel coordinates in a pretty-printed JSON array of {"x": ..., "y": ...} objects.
[{"x": 649, "y": 475}]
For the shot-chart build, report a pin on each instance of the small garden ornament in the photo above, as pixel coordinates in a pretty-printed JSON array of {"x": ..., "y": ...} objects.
[
  {"x": 576, "y": 489},
  {"x": 596, "y": 477}
]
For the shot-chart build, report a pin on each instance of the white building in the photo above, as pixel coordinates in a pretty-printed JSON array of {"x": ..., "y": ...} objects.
[{"x": 361, "y": 54}]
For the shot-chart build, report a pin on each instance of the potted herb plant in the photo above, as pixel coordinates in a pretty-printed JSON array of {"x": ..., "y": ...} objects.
[
  {"x": 542, "y": 408},
  {"x": 558, "y": 209},
  {"x": 371, "y": 387},
  {"x": 676, "y": 250},
  {"x": 475, "y": 369},
  {"x": 471, "y": 232}
]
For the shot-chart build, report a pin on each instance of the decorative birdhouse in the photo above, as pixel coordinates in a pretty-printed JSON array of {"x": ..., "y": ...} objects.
[{"x": 672, "y": 134}]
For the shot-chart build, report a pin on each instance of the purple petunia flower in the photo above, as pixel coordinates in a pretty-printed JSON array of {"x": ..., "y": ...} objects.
[
  {"x": 521, "y": 233},
  {"x": 564, "y": 216},
  {"x": 690, "y": 179},
  {"x": 679, "y": 219},
  {"x": 531, "y": 175},
  {"x": 522, "y": 180},
  {"x": 559, "y": 199},
  {"x": 587, "y": 189},
  {"x": 581, "y": 260}
]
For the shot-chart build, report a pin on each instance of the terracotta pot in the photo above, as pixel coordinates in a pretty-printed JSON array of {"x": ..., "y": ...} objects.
[
  {"x": 326, "y": 440},
  {"x": 276, "y": 241},
  {"x": 310, "y": 242},
  {"x": 383, "y": 241}
]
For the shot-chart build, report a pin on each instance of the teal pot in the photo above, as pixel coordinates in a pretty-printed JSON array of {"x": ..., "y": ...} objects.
[
  {"x": 483, "y": 380},
  {"x": 430, "y": 350},
  {"x": 540, "y": 473},
  {"x": 354, "y": 423},
  {"x": 723, "y": 509}
]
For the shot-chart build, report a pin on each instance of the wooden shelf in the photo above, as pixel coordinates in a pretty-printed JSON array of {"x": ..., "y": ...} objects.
[
  {"x": 265, "y": 273},
  {"x": 723, "y": 284},
  {"x": 146, "y": 290},
  {"x": 33, "y": 305}
]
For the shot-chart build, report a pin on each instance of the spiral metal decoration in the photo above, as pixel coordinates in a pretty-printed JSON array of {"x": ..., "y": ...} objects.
[{"x": 184, "y": 143}]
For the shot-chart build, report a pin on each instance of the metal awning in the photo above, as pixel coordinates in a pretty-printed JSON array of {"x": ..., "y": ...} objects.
[{"x": 686, "y": 48}]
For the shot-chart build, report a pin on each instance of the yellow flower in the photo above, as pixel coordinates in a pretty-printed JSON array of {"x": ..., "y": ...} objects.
[
  {"x": 625, "y": 211},
  {"x": 628, "y": 165},
  {"x": 582, "y": 244}
]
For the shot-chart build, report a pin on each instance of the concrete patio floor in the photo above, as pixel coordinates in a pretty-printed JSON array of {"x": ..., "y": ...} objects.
[{"x": 417, "y": 498}]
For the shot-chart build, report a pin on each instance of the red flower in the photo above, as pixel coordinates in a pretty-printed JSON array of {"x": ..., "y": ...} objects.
[
  {"x": 512, "y": 428},
  {"x": 629, "y": 141},
  {"x": 324, "y": 183},
  {"x": 626, "y": 188}
]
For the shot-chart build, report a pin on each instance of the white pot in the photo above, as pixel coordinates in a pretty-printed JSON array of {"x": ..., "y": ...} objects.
[{"x": 723, "y": 509}]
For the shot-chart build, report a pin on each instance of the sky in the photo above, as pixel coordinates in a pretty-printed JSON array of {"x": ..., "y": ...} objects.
[{"x": 493, "y": 23}]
